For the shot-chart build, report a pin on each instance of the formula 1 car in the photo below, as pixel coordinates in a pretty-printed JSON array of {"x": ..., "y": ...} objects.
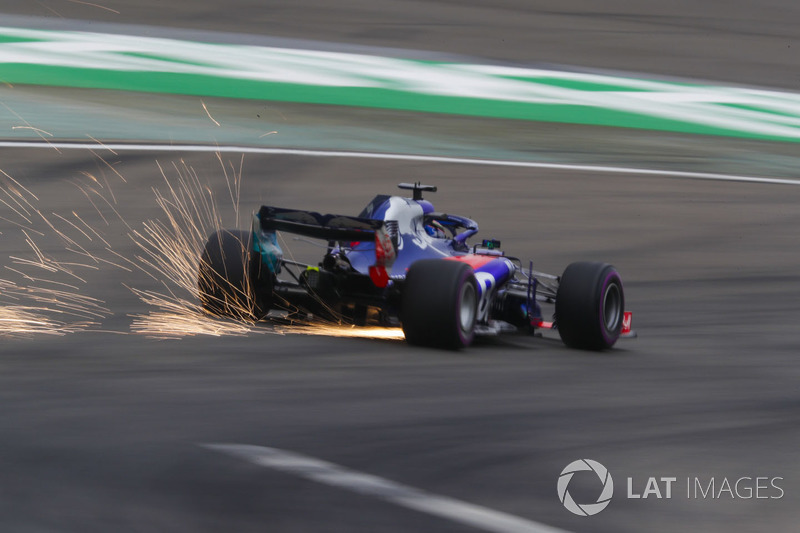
[{"x": 402, "y": 263}]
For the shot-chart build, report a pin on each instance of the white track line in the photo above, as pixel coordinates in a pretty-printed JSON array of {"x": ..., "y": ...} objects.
[
  {"x": 383, "y": 489},
  {"x": 397, "y": 157}
]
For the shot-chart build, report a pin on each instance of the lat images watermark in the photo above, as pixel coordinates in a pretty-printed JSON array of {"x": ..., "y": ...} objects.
[
  {"x": 585, "y": 509},
  {"x": 665, "y": 487}
]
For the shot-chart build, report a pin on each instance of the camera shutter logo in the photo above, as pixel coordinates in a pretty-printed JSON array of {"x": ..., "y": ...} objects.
[{"x": 585, "y": 509}]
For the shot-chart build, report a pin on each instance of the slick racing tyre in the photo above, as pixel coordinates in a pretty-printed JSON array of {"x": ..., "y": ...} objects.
[
  {"x": 439, "y": 304},
  {"x": 590, "y": 305},
  {"x": 232, "y": 282}
]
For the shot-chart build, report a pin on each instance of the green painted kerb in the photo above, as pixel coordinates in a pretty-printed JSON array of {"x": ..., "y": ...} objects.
[
  {"x": 189, "y": 84},
  {"x": 176, "y": 67}
]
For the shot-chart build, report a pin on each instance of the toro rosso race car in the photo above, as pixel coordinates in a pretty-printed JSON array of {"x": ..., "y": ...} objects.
[{"x": 402, "y": 263}]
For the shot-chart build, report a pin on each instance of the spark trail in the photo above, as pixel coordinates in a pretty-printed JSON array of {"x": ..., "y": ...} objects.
[
  {"x": 45, "y": 298},
  {"x": 51, "y": 294}
]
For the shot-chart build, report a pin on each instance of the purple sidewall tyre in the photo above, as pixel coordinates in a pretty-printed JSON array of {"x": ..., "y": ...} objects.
[{"x": 590, "y": 305}]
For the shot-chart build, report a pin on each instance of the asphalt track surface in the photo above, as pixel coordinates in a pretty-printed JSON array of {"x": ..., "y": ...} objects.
[{"x": 101, "y": 431}]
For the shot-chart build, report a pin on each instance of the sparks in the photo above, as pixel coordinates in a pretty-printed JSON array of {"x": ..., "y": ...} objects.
[
  {"x": 209, "y": 114},
  {"x": 168, "y": 248},
  {"x": 330, "y": 330},
  {"x": 43, "y": 302}
]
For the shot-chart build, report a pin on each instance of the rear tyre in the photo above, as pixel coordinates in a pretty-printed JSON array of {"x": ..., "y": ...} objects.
[
  {"x": 232, "y": 282},
  {"x": 590, "y": 305},
  {"x": 440, "y": 304}
]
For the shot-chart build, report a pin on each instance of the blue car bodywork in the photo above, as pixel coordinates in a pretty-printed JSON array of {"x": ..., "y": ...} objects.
[
  {"x": 402, "y": 263},
  {"x": 414, "y": 231}
]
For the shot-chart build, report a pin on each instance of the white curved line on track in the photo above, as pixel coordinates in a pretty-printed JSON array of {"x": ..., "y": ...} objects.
[
  {"x": 389, "y": 491},
  {"x": 121, "y": 147}
]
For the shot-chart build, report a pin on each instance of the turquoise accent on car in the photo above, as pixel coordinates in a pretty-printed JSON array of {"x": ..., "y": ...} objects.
[{"x": 266, "y": 244}]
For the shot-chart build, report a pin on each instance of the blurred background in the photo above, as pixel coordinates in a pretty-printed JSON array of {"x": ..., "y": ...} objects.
[{"x": 108, "y": 393}]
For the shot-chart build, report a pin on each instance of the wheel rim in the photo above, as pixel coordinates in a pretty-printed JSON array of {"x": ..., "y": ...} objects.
[
  {"x": 467, "y": 310},
  {"x": 612, "y": 307}
]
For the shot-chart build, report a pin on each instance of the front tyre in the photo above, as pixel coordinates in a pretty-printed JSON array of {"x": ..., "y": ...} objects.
[
  {"x": 590, "y": 305},
  {"x": 232, "y": 282},
  {"x": 440, "y": 304}
]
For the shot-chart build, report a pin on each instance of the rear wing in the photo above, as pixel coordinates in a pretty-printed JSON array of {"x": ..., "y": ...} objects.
[{"x": 315, "y": 225}]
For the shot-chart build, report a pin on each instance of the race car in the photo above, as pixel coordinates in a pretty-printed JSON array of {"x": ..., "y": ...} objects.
[{"x": 400, "y": 263}]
